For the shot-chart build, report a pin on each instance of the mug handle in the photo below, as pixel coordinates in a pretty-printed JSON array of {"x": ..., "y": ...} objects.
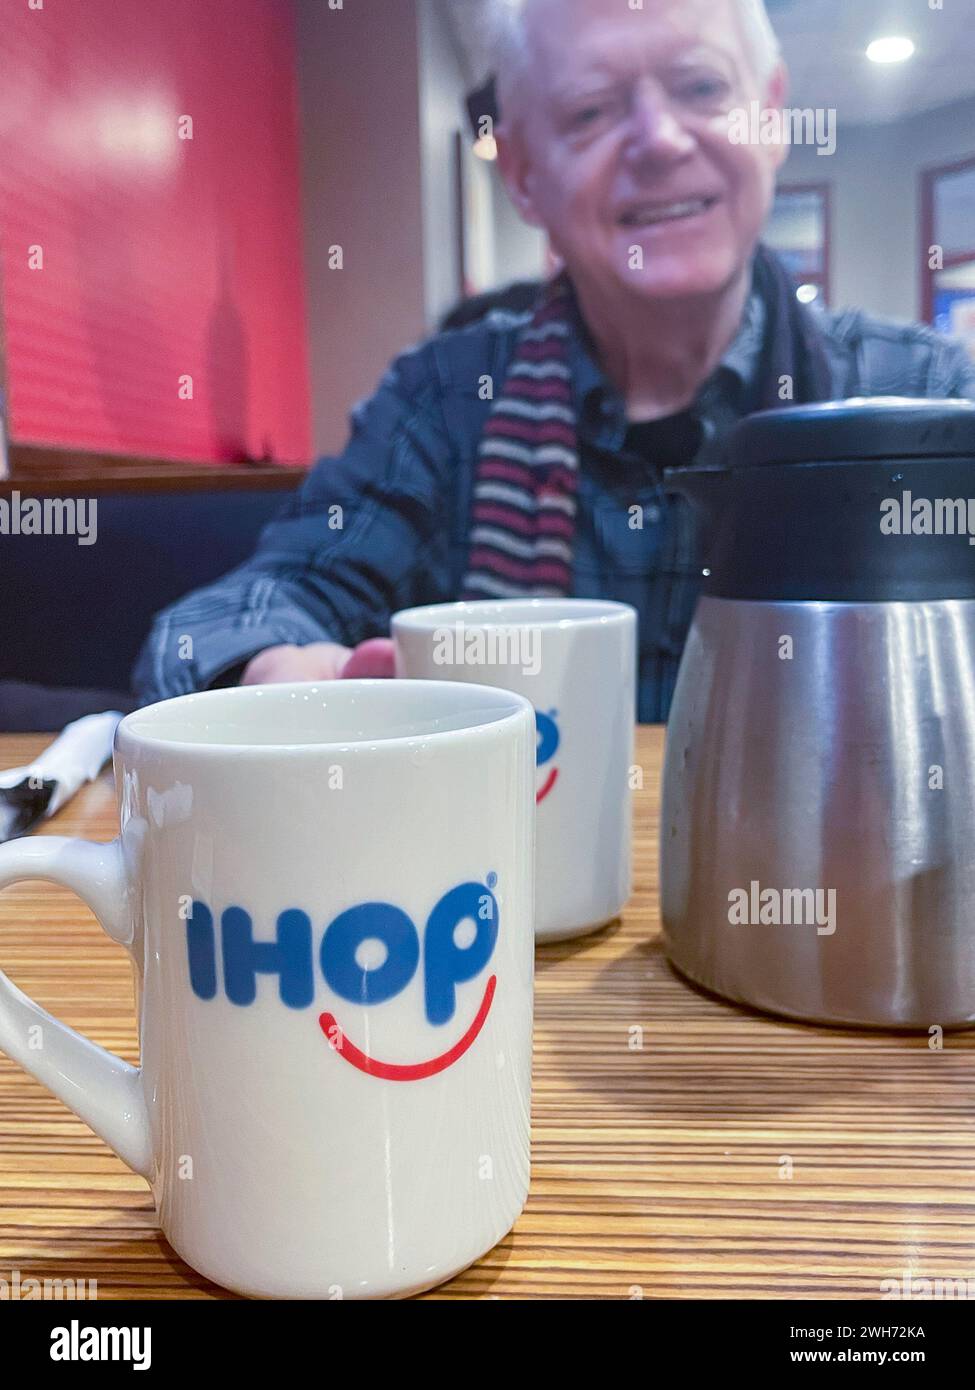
[{"x": 99, "y": 1087}]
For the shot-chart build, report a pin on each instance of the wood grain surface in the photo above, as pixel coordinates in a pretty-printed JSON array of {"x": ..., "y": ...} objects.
[{"x": 733, "y": 1156}]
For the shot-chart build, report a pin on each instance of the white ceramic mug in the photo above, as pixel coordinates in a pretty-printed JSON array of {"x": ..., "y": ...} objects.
[
  {"x": 575, "y": 660},
  {"x": 327, "y": 891}
]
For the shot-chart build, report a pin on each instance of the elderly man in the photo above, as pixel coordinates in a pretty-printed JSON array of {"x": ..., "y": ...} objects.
[{"x": 510, "y": 457}]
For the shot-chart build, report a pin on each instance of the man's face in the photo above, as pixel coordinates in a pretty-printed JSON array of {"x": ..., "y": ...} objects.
[{"x": 622, "y": 141}]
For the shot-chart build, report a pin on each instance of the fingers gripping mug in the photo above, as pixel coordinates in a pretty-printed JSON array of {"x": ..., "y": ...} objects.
[
  {"x": 575, "y": 660},
  {"x": 327, "y": 893}
]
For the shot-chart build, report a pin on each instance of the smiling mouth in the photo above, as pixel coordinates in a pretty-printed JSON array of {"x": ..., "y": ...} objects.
[
  {"x": 412, "y": 1071},
  {"x": 657, "y": 214},
  {"x": 549, "y": 784}
]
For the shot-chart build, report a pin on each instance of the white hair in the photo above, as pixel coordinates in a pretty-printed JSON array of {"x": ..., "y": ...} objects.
[
  {"x": 510, "y": 43},
  {"x": 760, "y": 36}
]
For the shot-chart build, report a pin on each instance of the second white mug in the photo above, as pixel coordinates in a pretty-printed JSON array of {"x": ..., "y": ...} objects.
[{"x": 575, "y": 660}]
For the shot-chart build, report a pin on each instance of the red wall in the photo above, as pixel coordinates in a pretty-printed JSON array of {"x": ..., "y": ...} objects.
[{"x": 162, "y": 256}]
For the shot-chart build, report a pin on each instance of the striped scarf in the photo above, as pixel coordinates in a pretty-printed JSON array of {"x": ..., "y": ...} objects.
[
  {"x": 524, "y": 511},
  {"x": 525, "y": 490}
]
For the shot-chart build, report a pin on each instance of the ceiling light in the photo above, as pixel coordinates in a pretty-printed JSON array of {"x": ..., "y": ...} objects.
[
  {"x": 891, "y": 50},
  {"x": 807, "y": 294},
  {"x": 486, "y": 148}
]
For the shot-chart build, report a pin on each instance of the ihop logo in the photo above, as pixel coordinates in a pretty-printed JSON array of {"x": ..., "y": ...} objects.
[
  {"x": 367, "y": 956},
  {"x": 547, "y": 731}
]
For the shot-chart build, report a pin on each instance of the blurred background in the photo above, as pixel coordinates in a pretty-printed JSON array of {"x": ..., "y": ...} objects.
[
  {"x": 220, "y": 220},
  {"x": 315, "y": 128}
]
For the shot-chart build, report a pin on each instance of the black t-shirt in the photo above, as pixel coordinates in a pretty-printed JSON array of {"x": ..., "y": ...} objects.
[{"x": 672, "y": 442}]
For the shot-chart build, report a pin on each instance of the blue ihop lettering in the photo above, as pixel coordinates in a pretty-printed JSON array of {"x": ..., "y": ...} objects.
[
  {"x": 548, "y": 738},
  {"x": 290, "y": 956}
]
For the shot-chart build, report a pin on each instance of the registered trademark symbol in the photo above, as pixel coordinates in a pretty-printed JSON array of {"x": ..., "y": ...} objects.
[{"x": 492, "y": 879}]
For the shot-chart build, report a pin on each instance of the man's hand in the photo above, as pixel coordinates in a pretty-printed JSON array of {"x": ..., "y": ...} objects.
[
  {"x": 320, "y": 661},
  {"x": 372, "y": 660}
]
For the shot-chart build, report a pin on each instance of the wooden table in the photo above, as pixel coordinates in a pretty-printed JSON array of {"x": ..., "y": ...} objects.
[{"x": 731, "y": 1156}]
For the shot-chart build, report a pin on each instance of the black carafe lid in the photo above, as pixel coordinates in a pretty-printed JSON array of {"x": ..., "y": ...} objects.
[{"x": 859, "y": 501}]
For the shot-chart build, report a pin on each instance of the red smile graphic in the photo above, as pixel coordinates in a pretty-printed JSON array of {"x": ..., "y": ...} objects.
[
  {"x": 549, "y": 784},
  {"x": 414, "y": 1071}
]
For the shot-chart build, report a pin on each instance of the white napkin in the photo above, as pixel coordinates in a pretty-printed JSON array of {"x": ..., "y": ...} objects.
[{"x": 75, "y": 757}]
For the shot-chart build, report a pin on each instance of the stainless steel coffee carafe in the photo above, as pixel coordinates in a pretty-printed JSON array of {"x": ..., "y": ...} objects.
[{"x": 817, "y": 850}]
